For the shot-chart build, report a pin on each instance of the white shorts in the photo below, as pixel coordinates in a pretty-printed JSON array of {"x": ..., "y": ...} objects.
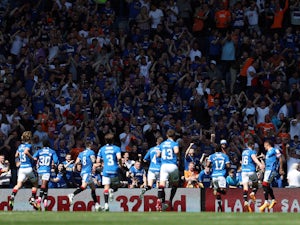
[
  {"x": 219, "y": 182},
  {"x": 152, "y": 176},
  {"x": 169, "y": 172},
  {"x": 249, "y": 176},
  {"x": 269, "y": 176},
  {"x": 112, "y": 181},
  {"x": 26, "y": 173},
  {"x": 44, "y": 176},
  {"x": 86, "y": 178}
]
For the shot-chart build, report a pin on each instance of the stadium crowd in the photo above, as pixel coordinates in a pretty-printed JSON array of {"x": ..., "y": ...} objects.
[{"x": 219, "y": 73}]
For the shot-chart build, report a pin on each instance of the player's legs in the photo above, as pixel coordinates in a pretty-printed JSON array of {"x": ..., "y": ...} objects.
[
  {"x": 164, "y": 176},
  {"x": 161, "y": 195},
  {"x": 23, "y": 175},
  {"x": 268, "y": 178},
  {"x": 86, "y": 179},
  {"x": 45, "y": 199},
  {"x": 174, "y": 182},
  {"x": 34, "y": 181},
  {"x": 151, "y": 178},
  {"x": 110, "y": 185},
  {"x": 219, "y": 184},
  {"x": 43, "y": 190},
  {"x": 93, "y": 192},
  {"x": 270, "y": 190},
  {"x": 245, "y": 182},
  {"x": 254, "y": 179},
  {"x": 216, "y": 193}
]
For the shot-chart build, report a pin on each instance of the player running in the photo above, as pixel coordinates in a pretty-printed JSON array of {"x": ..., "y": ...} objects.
[
  {"x": 249, "y": 162},
  {"x": 110, "y": 155},
  {"x": 153, "y": 156},
  {"x": 24, "y": 161},
  {"x": 87, "y": 159},
  {"x": 219, "y": 163},
  {"x": 273, "y": 161},
  {"x": 168, "y": 171},
  {"x": 45, "y": 157}
]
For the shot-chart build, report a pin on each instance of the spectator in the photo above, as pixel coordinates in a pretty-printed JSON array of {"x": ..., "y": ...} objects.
[
  {"x": 191, "y": 176},
  {"x": 60, "y": 178},
  {"x": 68, "y": 169},
  {"x": 143, "y": 20},
  {"x": 126, "y": 138},
  {"x": 279, "y": 16},
  {"x": 232, "y": 180},
  {"x": 262, "y": 109},
  {"x": 76, "y": 178},
  {"x": 128, "y": 162},
  {"x": 204, "y": 178},
  {"x": 294, "y": 176},
  {"x": 252, "y": 18},
  {"x": 156, "y": 15},
  {"x": 222, "y": 18},
  {"x": 295, "y": 126},
  {"x": 5, "y": 173},
  {"x": 190, "y": 156},
  {"x": 293, "y": 152},
  {"x": 185, "y": 12},
  {"x": 137, "y": 175}
]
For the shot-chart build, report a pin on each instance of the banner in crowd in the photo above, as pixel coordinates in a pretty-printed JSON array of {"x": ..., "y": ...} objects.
[
  {"x": 288, "y": 200},
  {"x": 125, "y": 200}
]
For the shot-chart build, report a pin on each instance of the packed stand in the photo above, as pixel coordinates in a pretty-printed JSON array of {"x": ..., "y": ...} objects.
[{"x": 219, "y": 74}]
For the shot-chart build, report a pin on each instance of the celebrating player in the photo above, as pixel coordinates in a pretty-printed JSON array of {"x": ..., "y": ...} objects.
[
  {"x": 249, "y": 162},
  {"x": 45, "y": 157},
  {"x": 168, "y": 171},
  {"x": 153, "y": 156},
  {"x": 110, "y": 154},
  {"x": 219, "y": 163},
  {"x": 273, "y": 162},
  {"x": 87, "y": 159},
  {"x": 24, "y": 160}
]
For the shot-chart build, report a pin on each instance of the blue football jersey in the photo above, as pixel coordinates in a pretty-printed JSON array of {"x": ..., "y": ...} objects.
[
  {"x": 69, "y": 169},
  {"x": 45, "y": 157},
  {"x": 87, "y": 163},
  {"x": 219, "y": 161},
  {"x": 151, "y": 156},
  {"x": 137, "y": 173},
  {"x": 272, "y": 159},
  {"x": 61, "y": 182},
  {"x": 108, "y": 153},
  {"x": 25, "y": 161},
  {"x": 168, "y": 155},
  {"x": 205, "y": 178},
  {"x": 248, "y": 165}
]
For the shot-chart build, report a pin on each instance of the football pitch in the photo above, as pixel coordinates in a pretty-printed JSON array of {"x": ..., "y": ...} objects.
[{"x": 145, "y": 218}]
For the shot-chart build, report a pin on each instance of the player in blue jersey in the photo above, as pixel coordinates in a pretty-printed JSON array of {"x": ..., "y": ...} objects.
[
  {"x": 110, "y": 155},
  {"x": 168, "y": 170},
  {"x": 249, "y": 162},
  {"x": 24, "y": 161},
  {"x": 273, "y": 162},
  {"x": 87, "y": 159},
  {"x": 45, "y": 157},
  {"x": 219, "y": 163},
  {"x": 153, "y": 156}
]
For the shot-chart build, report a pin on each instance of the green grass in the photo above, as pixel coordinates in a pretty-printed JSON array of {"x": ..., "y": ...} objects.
[{"x": 147, "y": 218}]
